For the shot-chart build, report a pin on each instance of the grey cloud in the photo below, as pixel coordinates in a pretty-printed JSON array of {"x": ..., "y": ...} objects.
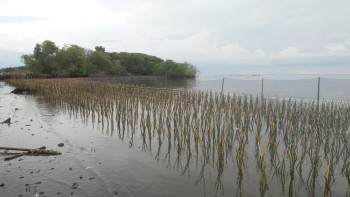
[{"x": 271, "y": 26}]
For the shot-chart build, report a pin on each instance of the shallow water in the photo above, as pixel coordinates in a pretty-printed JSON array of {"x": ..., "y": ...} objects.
[
  {"x": 332, "y": 87},
  {"x": 104, "y": 162}
]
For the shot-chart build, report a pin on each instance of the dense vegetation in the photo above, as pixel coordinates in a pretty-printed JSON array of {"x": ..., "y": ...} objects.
[
  {"x": 14, "y": 70},
  {"x": 73, "y": 60}
]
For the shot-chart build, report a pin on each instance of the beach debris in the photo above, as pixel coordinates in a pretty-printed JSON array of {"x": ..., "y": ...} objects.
[
  {"x": 7, "y": 121},
  {"x": 75, "y": 185},
  {"x": 31, "y": 152},
  {"x": 49, "y": 115}
]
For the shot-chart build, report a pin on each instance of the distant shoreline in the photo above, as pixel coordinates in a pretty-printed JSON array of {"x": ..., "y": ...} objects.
[{"x": 4, "y": 76}]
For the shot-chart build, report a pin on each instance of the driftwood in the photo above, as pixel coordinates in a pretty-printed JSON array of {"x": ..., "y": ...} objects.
[{"x": 34, "y": 152}]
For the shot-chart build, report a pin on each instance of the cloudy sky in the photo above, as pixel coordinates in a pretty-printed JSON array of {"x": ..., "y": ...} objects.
[{"x": 250, "y": 36}]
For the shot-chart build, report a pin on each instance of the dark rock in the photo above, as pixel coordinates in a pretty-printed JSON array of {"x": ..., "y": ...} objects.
[
  {"x": 60, "y": 144},
  {"x": 21, "y": 91},
  {"x": 7, "y": 121}
]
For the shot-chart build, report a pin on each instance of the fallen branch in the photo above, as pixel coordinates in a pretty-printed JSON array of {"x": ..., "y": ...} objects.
[
  {"x": 21, "y": 149},
  {"x": 35, "y": 152},
  {"x": 16, "y": 156}
]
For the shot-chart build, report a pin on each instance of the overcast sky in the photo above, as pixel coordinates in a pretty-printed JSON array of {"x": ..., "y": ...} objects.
[{"x": 250, "y": 36}]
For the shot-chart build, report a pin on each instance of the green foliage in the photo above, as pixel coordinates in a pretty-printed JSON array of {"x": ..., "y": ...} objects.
[
  {"x": 100, "y": 62},
  {"x": 100, "y": 48},
  {"x": 48, "y": 48},
  {"x": 15, "y": 70},
  {"x": 160, "y": 69},
  {"x": 71, "y": 61},
  {"x": 32, "y": 63},
  {"x": 42, "y": 60},
  {"x": 38, "y": 55},
  {"x": 137, "y": 63},
  {"x": 173, "y": 69},
  {"x": 76, "y": 61}
]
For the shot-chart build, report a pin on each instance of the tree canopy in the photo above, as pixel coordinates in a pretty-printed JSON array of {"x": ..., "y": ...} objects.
[{"x": 75, "y": 61}]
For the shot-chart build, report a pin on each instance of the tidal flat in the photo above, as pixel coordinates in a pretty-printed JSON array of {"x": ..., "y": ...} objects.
[{"x": 125, "y": 140}]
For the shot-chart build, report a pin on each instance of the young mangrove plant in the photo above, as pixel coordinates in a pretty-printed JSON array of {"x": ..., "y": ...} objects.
[{"x": 216, "y": 130}]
